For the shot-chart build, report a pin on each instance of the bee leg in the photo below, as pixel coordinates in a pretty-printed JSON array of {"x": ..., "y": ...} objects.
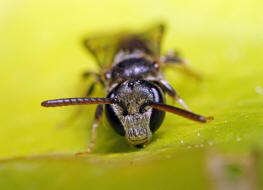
[
  {"x": 97, "y": 76},
  {"x": 98, "y": 116},
  {"x": 91, "y": 88},
  {"x": 71, "y": 119},
  {"x": 171, "y": 92},
  {"x": 78, "y": 111},
  {"x": 173, "y": 58}
]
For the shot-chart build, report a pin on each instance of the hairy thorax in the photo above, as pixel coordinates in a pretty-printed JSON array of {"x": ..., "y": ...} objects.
[{"x": 132, "y": 66}]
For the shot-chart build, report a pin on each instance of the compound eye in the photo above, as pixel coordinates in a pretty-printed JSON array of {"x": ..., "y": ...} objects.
[
  {"x": 157, "y": 116},
  {"x": 113, "y": 118}
]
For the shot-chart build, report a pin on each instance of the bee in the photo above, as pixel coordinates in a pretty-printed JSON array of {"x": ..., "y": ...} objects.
[{"x": 131, "y": 73}]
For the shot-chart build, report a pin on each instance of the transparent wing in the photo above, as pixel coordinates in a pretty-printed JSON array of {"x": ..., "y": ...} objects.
[
  {"x": 153, "y": 38},
  {"x": 104, "y": 47}
]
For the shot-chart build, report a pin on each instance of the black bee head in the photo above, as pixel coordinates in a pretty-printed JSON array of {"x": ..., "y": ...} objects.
[{"x": 130, "y": 117}]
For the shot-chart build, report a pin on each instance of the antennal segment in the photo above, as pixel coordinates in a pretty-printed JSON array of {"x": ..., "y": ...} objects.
[
  {"x": 77, "y": 101},
  {"x": 179, "y": 111}
]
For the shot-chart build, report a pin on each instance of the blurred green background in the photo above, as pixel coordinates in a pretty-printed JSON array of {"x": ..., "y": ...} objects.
[{"x": 41, "y": 57}]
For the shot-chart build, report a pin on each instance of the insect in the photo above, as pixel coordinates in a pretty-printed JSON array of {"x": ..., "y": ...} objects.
[{"x": 131, "y": 72}]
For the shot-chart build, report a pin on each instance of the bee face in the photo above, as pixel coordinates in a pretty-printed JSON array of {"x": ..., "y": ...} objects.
[{"x": 128, "y": 118}]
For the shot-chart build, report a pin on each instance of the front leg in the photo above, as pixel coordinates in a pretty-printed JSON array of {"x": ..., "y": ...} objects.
[
  {"x": 173, "y": 58},
  {"x": 171, "y": 92},
  {"x": 76, "y": 114},
  {"x": 98, "y": 116},
  {"x": 98, "y": 77}
]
